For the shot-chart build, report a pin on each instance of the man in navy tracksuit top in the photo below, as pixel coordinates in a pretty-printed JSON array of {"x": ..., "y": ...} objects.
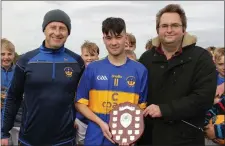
[{"x": 48, "y": 78}]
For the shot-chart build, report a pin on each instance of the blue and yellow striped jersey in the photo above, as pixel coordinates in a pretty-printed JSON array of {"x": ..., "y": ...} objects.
[{"x": 103, "y": 86}]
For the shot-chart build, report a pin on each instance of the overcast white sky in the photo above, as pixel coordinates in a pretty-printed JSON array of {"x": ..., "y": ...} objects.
[{"x": 22, "y": 21}]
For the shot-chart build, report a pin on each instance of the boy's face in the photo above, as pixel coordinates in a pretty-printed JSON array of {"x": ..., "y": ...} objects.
[
  {"x": 131, "y": 56},
  {"x": 128, "y": 46},
  {"x": 7, "y": 58},
  {"x": 88, "y": 57},
  {"x": 220, "y": 66},
  {"x": 115, "y": 44}
]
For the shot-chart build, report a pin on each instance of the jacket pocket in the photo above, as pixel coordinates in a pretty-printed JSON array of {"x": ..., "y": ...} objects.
[{"x": 186, "y": 131}]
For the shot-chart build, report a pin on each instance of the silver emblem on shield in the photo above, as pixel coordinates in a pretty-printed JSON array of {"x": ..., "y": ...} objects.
[{"x": 125, "y": 120}]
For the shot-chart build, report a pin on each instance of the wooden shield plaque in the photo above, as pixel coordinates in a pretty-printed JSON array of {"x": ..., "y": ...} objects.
[{"x": 126, "y": 123}]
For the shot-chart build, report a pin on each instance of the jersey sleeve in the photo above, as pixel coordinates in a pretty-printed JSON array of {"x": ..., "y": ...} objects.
[
  {"x": 220, "y": 130},
  {"x": 144, "y": 90},
  {"x": 216, "y": 109},
  {"x": 84, "y": 86}
]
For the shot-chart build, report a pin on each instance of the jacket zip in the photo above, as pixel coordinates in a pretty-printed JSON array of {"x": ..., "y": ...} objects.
[{"x": 53, "y": 67}]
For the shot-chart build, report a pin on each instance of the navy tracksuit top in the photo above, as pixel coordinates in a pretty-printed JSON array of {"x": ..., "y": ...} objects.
[{"x": 48, "y": 79}]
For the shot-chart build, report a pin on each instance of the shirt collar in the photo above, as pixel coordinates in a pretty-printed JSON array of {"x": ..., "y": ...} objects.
[
  {"x": 160, "y": 51},
  {"x": 49, "y": 50},
  {"x": 10, "y": 68}
]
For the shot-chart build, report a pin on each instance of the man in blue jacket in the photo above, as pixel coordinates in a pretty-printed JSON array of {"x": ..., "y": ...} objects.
[{"x": 48, "y": 78}]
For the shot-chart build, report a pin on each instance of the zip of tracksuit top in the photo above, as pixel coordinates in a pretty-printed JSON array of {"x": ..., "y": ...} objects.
[{"x": 48, "y": 79}]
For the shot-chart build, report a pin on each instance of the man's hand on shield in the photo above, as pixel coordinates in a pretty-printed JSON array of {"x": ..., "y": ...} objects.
[
  {"x": 105, "y": 130},
  {"x": 153, "y": 111}
]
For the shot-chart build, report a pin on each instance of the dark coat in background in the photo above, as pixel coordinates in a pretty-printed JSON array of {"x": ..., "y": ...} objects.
[{"x": 184, "y": 88}]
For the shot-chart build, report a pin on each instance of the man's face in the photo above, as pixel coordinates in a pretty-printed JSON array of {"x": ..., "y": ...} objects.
[
  {"x": 170, "y": 29},
  {"x": 115, "y": 44},
  {"x": 7, "y": 58},
  {"x": 56, "y": 34},
  {"x": 88, "y": 57},
  {"x": 220, "y": 66}
]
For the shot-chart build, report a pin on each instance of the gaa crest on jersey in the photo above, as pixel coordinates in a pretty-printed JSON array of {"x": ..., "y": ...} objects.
[
  {"x": 131, "y": 81},
  {"x": 68, "y": 71}
]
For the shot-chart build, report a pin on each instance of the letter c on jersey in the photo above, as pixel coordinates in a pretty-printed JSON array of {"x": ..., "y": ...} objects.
[{"x": 114, "y": 96}]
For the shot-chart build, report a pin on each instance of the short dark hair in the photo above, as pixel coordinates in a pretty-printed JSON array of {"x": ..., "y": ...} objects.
[{"x": 113, "y": 25}]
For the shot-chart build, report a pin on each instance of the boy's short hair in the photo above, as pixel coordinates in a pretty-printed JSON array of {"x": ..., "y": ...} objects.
[
  {"x": 113, "y": 25},
  {"x": 131, "y": 39},
  {"x": 211, "y": 50},
  {"x": 8, "y": 45},
  {"x": 91, "y": 47},
  {"x": 219, "y": 53},
  {"x": 149, "y": 45}
]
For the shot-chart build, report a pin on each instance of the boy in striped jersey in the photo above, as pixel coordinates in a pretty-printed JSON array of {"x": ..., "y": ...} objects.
[
  {"x": 220, "y": 67},
  {"x": 216, "y": 130},
  {"x": 89, "y": 53}
]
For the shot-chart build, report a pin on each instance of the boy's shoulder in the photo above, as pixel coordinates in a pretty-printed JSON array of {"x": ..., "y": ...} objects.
[
  {"x": 137, "y": 65},
  {"x": 97, "y": 63}
]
